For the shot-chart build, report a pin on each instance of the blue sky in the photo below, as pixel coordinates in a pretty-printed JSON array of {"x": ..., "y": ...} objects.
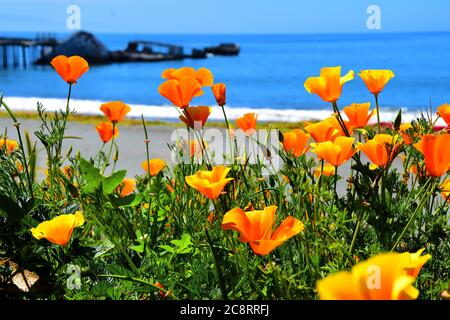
[{"x": 225, "y": 16}]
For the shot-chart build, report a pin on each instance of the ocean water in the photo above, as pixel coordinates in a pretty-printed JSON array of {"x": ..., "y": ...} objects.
[{"x": 268, "y": 74}]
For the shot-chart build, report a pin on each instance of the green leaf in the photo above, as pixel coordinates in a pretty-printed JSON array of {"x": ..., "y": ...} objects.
[
  {"x": 104, "y": 289},
  {"x": 183, "y": 245},
  {"x": 280, "y": 136},
  {"x": 109, "y": 184},
  {"x": 91, "y": 174},
  {"x": 139, "y": 239},
  {"x": 73, "y": 190},
  {"x": 128, "y": 201},
  {"x": 398, "y": 120},
  {"x": 12, "y": 209},
  {"x": 167, "y": 248}
]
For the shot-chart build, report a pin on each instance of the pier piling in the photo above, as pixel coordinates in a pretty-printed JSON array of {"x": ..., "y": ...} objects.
[
  {"x": 19, "y": 48},
  {"x": 5, "y": 57}
]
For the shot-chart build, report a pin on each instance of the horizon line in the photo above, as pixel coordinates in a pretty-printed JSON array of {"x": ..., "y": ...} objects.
[{"x": 366, "y": 32}]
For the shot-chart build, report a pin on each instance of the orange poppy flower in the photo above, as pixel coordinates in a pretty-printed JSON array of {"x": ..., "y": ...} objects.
[
  {"x": 69, "y": 171},
  {"x": 436, "y": 151},
  {"x": 444, "y": 113},
  {"x": 445, "y": 189},
  {"x": 388, "y": 276},
  {"x": 180, "y": 92},
  {"x": 168, "y": 73},
  {"x": 335, "y": 123},
  {"x": 126, "y": 187},
  {"x": 247, "y": 123},
  {"x": 19, "y": 166},
  {"x": 328, "y": 170},
  {"x": 210, "y": 183},
  {"x": 59, "y": 229},
  {"x": 171, "y": 185},
  {"x": 256, "y": 227},
  {"x": 70, "y": 69},
  {"x": 415, "y": 261},
  {"x": 219, "y": 90},
  {"x": 105, "y": 131},
  {"x": 196, "y": 148},
  {"x": 115, "y": 111},
  {"x": 407, "y": 138},
  {"x": 203, "y": 75},
  {"x": 161, "y": 286},
  {"x": 380, "y": 150},
  {"x": 295, "y": 142},
  {"x": 328, "y": 85},
  {"x": 155, "y": 165},
  {"x": 337, "y": 152},
  {"x": 195, "y": 117},
  {"x": 9, "y": 145},
  {"x": 358, "y": 114},
  {"x": 323, "y": 131},
  {"x": 414, "y": 169},
  {"x": 375, "y": 80}
]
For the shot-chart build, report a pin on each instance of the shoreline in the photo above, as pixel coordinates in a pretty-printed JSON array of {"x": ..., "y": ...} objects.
[
  {"x": 168, "y": 115},
  {"x": 131, "y": 137}
]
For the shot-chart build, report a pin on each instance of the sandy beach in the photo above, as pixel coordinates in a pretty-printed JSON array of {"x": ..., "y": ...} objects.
[{"x": 130, "y": 142}]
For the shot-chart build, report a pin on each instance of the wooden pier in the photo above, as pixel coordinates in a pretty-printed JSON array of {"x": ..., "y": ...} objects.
[
  {"x": 148, "y": 51},
  {"x": 18, "y": 52}
]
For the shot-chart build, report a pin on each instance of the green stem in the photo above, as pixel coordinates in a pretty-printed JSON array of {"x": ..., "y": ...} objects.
[
  {"x": 146, "y": 147},
  {"x": 118, "y": 276},
  {"x": 66, "y": 115},
  {"x": 339, "y": 118},
  {"x": 335, "y": 180},
  {"x": 226, "y": 119},
  {"x": 110, "y": 150},
  {"x": 155, "y": 219},
  {"x": 22, "y": 149},
  {"x": 355, "y": 233},
  {"x": 115, "y": 158},
  {"x": 217, "y": 265},
  {"x": 378, "y": 112},
  {"x": 322, "y": 163},
  {"x": 229, "y": 133},
  {"x": 413, "y": 216}
]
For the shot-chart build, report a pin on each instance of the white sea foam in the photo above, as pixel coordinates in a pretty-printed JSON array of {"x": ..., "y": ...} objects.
[{"x": 92, "y": 107}]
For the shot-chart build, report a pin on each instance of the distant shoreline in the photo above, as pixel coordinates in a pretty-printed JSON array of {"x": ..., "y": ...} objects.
[
  {"x": 263, "y": 34},
  {"x": 168, "y": 114}
]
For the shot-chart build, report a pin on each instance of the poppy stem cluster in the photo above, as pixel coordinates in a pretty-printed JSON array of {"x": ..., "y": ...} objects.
[
  {"x": 339, "y": 118},
  {"x": 21, "y": 146},
  {"x": 295, "y": 215}
]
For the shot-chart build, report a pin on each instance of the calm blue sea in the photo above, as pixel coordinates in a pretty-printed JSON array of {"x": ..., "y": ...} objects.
[{"x": 269, "y": 72}]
